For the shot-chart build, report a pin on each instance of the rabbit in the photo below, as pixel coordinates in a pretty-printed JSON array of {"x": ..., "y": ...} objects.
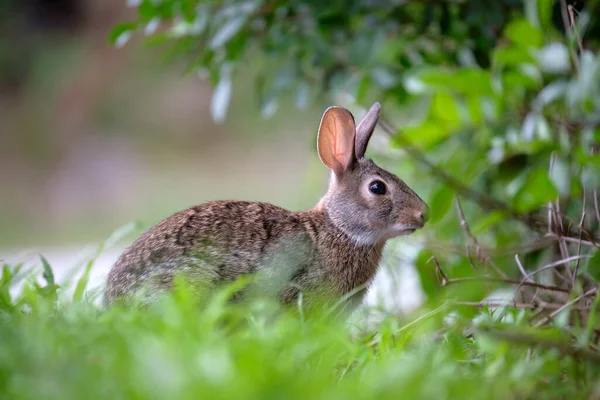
[{"x": 332, "y": 249}]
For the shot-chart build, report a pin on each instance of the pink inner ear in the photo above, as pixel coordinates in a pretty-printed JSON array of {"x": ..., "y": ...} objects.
[
  {"x": 336, "y": 139},
  {"x": 340, "y": 146}
]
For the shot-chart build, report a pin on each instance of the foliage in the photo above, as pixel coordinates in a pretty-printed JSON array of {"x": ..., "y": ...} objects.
[{"x": 57, "y": 348}]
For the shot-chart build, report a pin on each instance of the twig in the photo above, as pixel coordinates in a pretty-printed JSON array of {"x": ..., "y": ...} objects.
[
  {"x": 568, "y": 232},
  {"x": 510, "y": 304},
  {"x": 439, "y": 270},
  {"x": 518, "y": 291},
  {"x": 564, "y": 306},
  {"x": 506, "y": 280},
  {"x": 567, "y": 25},
  {"x": 573, "y": 24},
  {"x": 575, "y": 240},
  {"x": 536, "y": 244},
  {"x": 528, "y": 340},
  {"x": 596, "y": 205},
  {"x": 551, "y": 265},
  {"x": 469, "y": 257},
  {"x": 579, "y": 244},
  {"x": 520, "y": 266},
  {"x": 480, "y": 251}
]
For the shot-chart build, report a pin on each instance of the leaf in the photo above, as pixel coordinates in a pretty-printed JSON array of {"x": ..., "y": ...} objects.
[
  {"x": 528, "y": 127},
  {"x": 512, "y": 55},
  {"x": 544, "y": 9},
  {"x": 536, "y": 191},
  {"x": 553, "y": 91},
  {"x": 466, "y": 80},
  {"x": 83, "y": 281},
  {"x": 151, "y": 26},
  {"x": 121, "y": 33},
  {"x": 119, "y": 234},
  {"x": 426, "y": 135},
  {"x": 427, "y": 273},
  {"x": 443, "y": 109},
  {"x": 269, "y": 108},
  {"x": 302, "y": 95},
  {"x": 362, "y": 88},
  {"x": 590, "y": 176},
  {"x": 523, "y": 33},
  {"x": 560, "y": 176},
  {"x": 440, "y": 203},
  {"x": 221, "y": 96},
  {"x": 227, "y": 31},
  {"x": 111, "y": 241},
  {"x": 554, "y": 58},
  {"x": 383, "y": 78},
  {"x": 490, "y": 220},
  {"x": 48, "y": 274}
]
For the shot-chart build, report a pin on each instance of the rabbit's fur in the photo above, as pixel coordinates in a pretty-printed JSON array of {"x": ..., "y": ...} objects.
[{"x": 332, "y": 249}]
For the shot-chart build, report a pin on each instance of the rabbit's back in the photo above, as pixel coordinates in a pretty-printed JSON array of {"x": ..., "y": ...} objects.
[{"x": 217, "y": 242}]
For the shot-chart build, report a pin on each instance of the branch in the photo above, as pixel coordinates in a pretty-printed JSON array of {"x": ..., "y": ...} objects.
[
  {"x": 551, "y": 265},
  {"x": 575, "y": 240},
  {"x": 505, "y": 280},
  {"x": 567, "y": 304},
  {"x": 480, "y": 251},
  {"x": 536, "y": 244},
  {"x": 596, "y": 209},
  {"x": 521, "y": 338},
  {"x": 510, "y": 304},
  {"x": 565, "y": 16}
]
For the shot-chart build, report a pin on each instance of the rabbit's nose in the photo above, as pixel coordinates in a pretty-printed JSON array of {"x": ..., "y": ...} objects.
[{"x": 423, "y": 215}]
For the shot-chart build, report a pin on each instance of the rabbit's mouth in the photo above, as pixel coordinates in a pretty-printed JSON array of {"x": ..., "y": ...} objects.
[
  {"x": 407, "y": 231},
  {"x": 404, "y": 230}
]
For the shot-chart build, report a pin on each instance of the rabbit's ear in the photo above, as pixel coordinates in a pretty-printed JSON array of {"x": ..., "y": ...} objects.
[
  {"x": 335, "y": 142},
  {"x": 365, "y": 129}
]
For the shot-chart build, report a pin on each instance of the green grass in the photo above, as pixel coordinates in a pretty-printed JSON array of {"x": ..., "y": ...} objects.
[{"x": 59, "y": 346}]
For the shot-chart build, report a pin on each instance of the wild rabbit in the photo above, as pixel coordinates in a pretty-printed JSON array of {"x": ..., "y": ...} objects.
[{"x": 333, "y": 249}]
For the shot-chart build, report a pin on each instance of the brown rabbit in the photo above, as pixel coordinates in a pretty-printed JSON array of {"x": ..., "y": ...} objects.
[{"x": 332, "y": 249}]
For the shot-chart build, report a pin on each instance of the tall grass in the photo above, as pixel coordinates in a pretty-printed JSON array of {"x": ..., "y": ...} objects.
[{"x": 59, "y": 345}]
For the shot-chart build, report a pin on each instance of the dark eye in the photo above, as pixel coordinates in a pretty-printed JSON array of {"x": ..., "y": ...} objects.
[{"x": 377, "y": 187}]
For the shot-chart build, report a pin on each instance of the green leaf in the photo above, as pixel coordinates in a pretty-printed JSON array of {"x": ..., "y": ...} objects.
[
  {"x": 536, "y": 191},
  {"x": 561, "y": 176},
  {"x": 48, "y": 274},
  {"x": 221, "y": 96},
  {"x": 465, "y": 80},
  {"x": 83, "y": 281},
  {"x": 121, "y": 33},
  {"x": 444, "y": 109},
  {"x": 590, "y": 176},
  {"x": 544, "y": 9},
  {"x": 427, "y": 273},
  {"x": 483, "y": 224},
  {"x": 427, "y": 135},
  {"x": 512, "y": 56},
  {"x": 440, "y": 202},
  {"x": 227, "y": 31},
  {"x": 523, "y": 33}
]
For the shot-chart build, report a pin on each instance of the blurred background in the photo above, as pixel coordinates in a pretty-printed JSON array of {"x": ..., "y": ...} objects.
[{"x": 94, "y": 136}]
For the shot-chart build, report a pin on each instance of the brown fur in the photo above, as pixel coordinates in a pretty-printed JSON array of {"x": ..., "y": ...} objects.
[{"x": 333, "y": 248}]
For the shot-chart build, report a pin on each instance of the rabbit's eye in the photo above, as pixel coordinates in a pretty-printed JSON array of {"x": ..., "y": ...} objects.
[{"x": 377, "y": 187}]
